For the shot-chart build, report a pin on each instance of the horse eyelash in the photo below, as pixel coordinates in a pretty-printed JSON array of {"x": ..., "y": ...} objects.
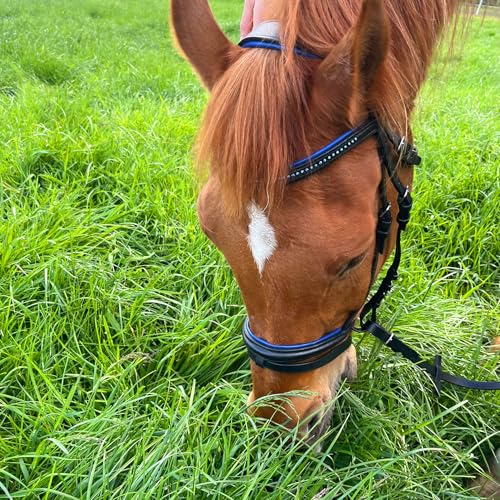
[{"x": 353, "y": 263}]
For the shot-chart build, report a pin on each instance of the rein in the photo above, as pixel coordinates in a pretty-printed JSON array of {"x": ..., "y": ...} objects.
[{"x": 393, "y": 150}]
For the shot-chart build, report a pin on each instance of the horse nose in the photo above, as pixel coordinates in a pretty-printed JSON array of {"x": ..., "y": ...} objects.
[
  {"x": 314, "y": 423},
  {"x": 306, "y": 413}
]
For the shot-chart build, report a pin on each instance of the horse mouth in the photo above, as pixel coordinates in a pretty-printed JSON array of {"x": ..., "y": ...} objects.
[
  {"x": 317, "y": 426},
  {"x": 319, "y": 423}
]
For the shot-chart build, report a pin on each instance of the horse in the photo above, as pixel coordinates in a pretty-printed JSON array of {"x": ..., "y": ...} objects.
[{"x": 305, "y": 254}]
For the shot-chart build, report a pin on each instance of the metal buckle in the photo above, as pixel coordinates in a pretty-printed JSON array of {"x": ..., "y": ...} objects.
[{"x": 387, "y": 209}]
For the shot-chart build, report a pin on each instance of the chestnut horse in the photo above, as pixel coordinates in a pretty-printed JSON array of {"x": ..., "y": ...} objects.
[{"x": 305, "y": 254}]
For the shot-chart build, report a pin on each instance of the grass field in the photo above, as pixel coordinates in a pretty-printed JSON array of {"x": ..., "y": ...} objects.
[{"x": 122, "y": 371}]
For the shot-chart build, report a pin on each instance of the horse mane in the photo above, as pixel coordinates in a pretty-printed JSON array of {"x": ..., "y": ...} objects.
[{"x": 257, "y": 121}]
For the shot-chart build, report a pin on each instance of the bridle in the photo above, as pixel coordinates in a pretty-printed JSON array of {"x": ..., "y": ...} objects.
[
  {"x": 309, "y": 356},
  {"x": 393, "y": 151}
]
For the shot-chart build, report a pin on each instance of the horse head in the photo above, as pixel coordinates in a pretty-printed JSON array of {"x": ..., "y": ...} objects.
[{"x": 304, "y": 253}]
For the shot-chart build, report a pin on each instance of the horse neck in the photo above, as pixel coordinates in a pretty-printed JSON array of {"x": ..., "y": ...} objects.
[
  {"x": 416, "y": 28},
  {"x": 415, "y": 31}
]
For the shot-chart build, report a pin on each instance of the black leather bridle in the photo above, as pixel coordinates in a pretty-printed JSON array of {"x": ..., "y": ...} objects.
[{"x": 393, "y": 151}]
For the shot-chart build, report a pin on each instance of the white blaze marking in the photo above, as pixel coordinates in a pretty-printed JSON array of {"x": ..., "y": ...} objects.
[{"x": 261, "y": 237}]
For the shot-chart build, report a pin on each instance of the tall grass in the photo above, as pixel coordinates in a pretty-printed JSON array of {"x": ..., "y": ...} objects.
[{"x": 122, "y": 372}]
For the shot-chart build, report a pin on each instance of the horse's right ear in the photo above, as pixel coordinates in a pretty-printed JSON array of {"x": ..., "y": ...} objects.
[{"x": 200, "y": 39}]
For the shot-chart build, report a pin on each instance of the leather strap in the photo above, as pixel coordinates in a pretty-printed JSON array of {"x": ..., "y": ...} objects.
[
  {"x": 305, "y": 357},
  {"x": 297, "y": 358},
  {"x": 434, "y": 370},
  {"x": 282, "y": 364},
  {"x": 332, "y": 152},
  {"x": 408, "y": 155}
]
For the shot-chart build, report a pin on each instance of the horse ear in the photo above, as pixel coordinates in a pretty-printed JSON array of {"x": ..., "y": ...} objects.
[
  {"x": 370, "y": 45},
  {"x": 353, "y": 68},
  {"x": 200, "y": 39}
]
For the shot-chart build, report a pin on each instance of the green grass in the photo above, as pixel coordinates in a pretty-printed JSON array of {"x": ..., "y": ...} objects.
[{"x": 122, "y": 372}]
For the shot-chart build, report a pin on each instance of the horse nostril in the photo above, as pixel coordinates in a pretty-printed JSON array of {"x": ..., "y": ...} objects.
[
  {"x": 313, "y": 422},
  {"x": 313, "y": 426}
]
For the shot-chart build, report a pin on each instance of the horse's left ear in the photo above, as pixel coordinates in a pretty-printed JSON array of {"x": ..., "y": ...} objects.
[
  {"x": 370, "y": 46},
  {"x": 200, "y": 39},
  {"x": 354, "y": 66}
]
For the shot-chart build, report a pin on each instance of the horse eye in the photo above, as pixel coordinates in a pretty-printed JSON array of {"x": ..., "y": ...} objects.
[{"x": 355, "y": 262}]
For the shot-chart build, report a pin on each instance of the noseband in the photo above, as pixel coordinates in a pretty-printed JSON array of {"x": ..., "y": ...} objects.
[{"x": 393, "y": 150}]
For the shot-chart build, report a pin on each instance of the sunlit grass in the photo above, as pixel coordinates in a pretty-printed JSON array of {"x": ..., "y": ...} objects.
[{"x": 122, "y": 371}]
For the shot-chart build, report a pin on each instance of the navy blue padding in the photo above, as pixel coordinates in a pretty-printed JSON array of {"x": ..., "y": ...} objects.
[
  {"x": 319, "y": 152},
  {"x": 257, "y": 43},
  {"x": 325, "y": 338},
  {"x": 297, "y": 358},
  {"x": 333, "y": 151}
]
